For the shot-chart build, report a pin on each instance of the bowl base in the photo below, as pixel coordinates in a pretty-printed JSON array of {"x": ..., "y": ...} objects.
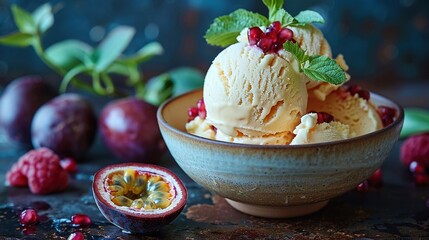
[{"x": 275, "y": 211}]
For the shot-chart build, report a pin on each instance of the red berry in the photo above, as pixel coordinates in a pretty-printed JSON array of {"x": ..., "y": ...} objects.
[
  {"x": 376, "y": 178},
  {"x": 254, "y": 35},
  {"x": 80, "y": 220},
  {"x": 76, "y": 236},
  {"x": 15, "y": 178},
  {"x": 416, "y": 148},
  {"x": 416, "y": 167},
  {"x": 28, "y": 217},
  {"x": 69, "y": 164},
  {"x": 363, "y": 186},
  {"x": 42, "y": 170}
]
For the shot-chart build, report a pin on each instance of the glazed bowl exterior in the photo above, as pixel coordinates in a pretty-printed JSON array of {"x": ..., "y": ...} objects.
[{"x": 266, "y": 180}]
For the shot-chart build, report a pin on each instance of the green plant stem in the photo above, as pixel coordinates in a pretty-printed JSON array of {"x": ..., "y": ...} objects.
[{"x": 40, "y": 51}]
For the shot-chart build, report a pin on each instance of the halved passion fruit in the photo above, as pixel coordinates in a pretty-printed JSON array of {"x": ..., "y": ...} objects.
[{"x": 137, "y": 197}]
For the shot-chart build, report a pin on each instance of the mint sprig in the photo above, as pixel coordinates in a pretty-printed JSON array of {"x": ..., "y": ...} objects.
[
  {"x": 318, "y": 68},
  {"x": 225, "y": 29}
]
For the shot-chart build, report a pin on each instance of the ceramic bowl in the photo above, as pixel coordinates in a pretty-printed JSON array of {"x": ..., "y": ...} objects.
[{"x": 272, "y": 180}]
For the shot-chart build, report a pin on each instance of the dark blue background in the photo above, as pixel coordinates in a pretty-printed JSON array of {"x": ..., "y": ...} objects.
[{"x": 382, "y": 40}]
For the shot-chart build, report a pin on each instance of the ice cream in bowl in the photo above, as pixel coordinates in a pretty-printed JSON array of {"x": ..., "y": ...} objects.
[{"x": 278, "y": 130}]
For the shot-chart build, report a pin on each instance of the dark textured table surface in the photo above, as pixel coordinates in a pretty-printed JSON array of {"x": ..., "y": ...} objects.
[{"x": 397, "y": 210}]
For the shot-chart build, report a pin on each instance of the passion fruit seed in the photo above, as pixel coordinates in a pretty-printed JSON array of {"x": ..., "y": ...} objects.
[
  {"x": 138, "y": 190},
  {"x": 28, "y": 217}
]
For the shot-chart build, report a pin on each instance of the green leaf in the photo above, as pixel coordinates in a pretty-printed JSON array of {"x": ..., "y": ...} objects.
[
  {"x": 273, "y": 7},
  {"x": 17, "y": 39},
  {"x": 323, "y": 68},
  {"x": 283, "y": 17},
  {"x": 68, "y": 54},
  {"x": 308, "y": 16},
  {"x": 225, "y": 29},
  {"x": 147, "y": 52},
  {"x": 23, "y": 20},
  {"x": 43, "y": 17},
  {"x": 112, "y": 46},
  {"x": 296, "y": 51},
  {"x": 159, "y": 89},
  {"x": 416, "y": 121}
]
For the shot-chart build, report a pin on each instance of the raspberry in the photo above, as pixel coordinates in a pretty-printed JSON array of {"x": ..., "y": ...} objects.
[
  {"x": 416, "y": 148},
  {"x": 42, "y": 171}
]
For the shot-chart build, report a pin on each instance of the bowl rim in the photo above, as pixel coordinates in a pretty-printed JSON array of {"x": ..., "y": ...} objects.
[{"x": 163, "y": 122}]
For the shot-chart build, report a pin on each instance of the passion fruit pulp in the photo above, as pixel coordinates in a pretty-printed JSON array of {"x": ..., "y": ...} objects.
[{"x": 137, "y": 197}]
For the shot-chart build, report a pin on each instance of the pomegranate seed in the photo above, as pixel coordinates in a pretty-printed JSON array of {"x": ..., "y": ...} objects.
[
  {"x": 28, "y": 217},
  {"x": 276, "y": 26},
  {"x": 416, "y": 167},
  {"x": 254, "y": 35},
  {"x": 324, "y": 117},
  {"x": 192, "y": 113},
  {"x": 29, "y": 230},
  {"x": 421, "y": 178},
  {"x": 265, "y": 44},
  {"x": 376, "y": 178},
  {"x": 363, "y": 94},
  {"x": 284, "y": 35},
  {"x": 353, "y": 89},
  {"x": 76, "y": 236},
  {"x": 69, "y": 164},
  {"x": 201, "y": 106},
  {"x": 80, "y": 220},
  {"x": 363, "y": 186},
  {"x": 386, "y": 114}
]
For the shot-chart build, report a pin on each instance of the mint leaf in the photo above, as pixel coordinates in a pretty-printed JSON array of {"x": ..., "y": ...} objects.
[
  {"x": 308, "y": 16},
  {"x": 112, "y": 46},
  {"x": 43, "y": 17},
  {"x": 283, "y": 17},
  {"x": 68, "y": 54},
  {"x": 296, "y": 51},
  {"x": 416, "y": 121},
  {"x": 225, "y": 29},
  {"x": 17, "y": 39},
  {"x": 273, "y": 7},
  {"x": 23, "y": 20},
  {"x": 323, "y": 68},
  {"x": 145, "y": 53}
]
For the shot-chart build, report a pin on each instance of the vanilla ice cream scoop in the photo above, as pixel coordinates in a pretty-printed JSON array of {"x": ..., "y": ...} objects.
[
  {"x": 360, "y": 114},
  {"x": 309, "y": 131},
  {"x": 247, "y": 92}
]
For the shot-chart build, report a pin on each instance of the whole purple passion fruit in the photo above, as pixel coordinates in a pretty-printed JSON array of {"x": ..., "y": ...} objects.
[
  {"x": 18, "y": 104},
  {"x": 67, "y": 125},
  {"x": 130, "y": 130},
  {"x": 138, "y": 197}
]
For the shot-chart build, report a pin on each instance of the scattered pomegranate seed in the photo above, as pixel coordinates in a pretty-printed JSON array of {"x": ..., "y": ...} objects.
[
  {"x": 356, "y": 89},
  {"x": 416, "y": 167},
  {"x": 387, "y": 115},
  {"x": 76, "y": 236},
  {"x": 28, "y": 217},
  {"x": 376, "y": 179},
  {"x": 363, "y": 186},
  {"x": 192, "y": 113},
  {"x": 272, "y": 39},
  {"x": 69, "y": 164},
  {"x": 80, "y": 220},
  {"x": 28, "y": 230},
  {"x": 421, "y": 179},
  {"x": 323, "y": 117}
]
